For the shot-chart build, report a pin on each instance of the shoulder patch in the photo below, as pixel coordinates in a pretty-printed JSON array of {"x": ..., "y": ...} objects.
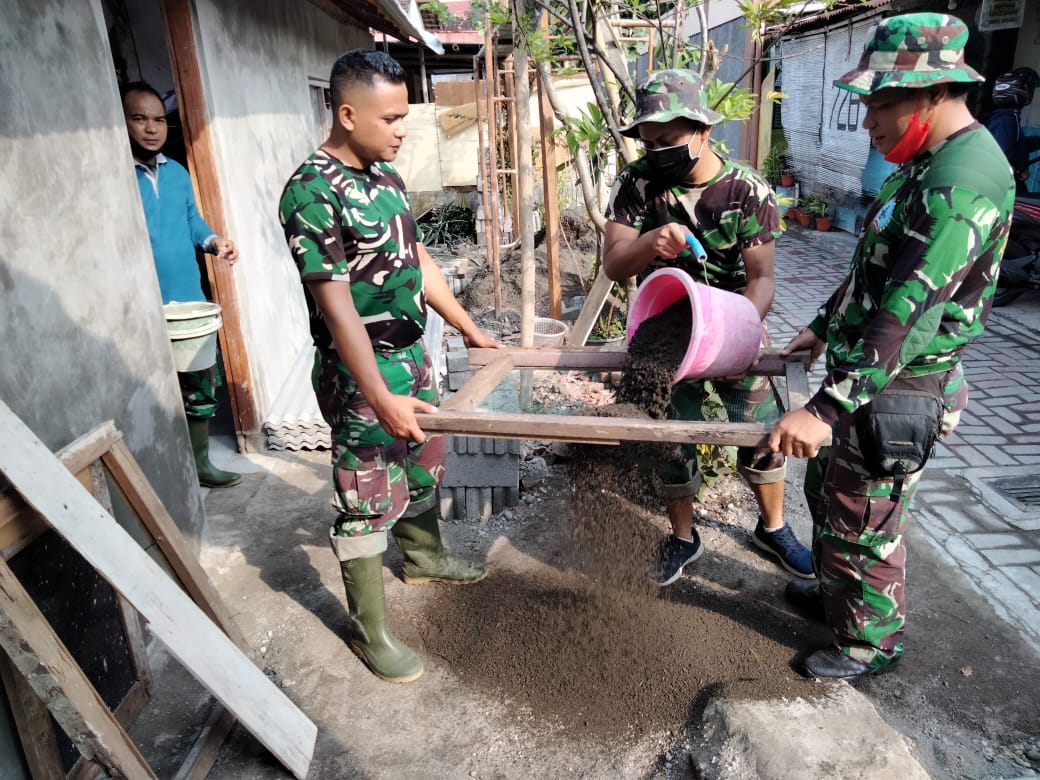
[{"x": 884, "y": 215}]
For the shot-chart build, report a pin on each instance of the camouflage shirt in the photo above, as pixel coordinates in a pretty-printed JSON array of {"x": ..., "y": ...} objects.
[
  {"x": 735, "y": 210},
  {"x": 922, "y": 277},
  {"x": 345, "y": 224}
]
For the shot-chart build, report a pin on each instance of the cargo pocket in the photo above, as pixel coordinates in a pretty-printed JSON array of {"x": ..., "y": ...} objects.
[{"x": 363, "y": 493}]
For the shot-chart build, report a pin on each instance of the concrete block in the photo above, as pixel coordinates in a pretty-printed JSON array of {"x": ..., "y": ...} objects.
[
  {"x": 513, "y": 495},
  {"x": 486, "y": 503},
  {"x": 447, "y": 501},
  {"x": 473, "y": 444},
  {"x": 458, "y": 361},
  {"x": 458, "y": 379},
  {"x": 477, "y": 470},
  {"x": 498, "y": 499},
  {"x": 501, "y": 446},
  {"x": 472, "y": 503},
  {"x": 776, "y": 740},
  {"x": 456, "y": 344}
]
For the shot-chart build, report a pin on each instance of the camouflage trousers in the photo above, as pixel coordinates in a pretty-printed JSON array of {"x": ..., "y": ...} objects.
[
  {"x": 858, "y": 527},
  {"x": 199, "y": 391},
  {"x": 751, "y": 399},
  {"x": 375, "y": 477}
]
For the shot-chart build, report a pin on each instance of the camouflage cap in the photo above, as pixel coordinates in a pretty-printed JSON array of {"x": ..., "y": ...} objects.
[
  {"x": 912, "y": 50},
  {"x": 667, "y": 95}
]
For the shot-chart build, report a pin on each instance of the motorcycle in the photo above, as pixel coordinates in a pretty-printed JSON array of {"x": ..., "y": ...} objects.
[{"x": 1020, "y": 266}]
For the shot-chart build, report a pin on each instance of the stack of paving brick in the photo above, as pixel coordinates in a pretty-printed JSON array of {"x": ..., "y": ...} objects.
[{"x": 483, "y": 475}]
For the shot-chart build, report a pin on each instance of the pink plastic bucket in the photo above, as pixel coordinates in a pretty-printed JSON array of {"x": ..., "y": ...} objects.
[{"x": 726, "y": 331}]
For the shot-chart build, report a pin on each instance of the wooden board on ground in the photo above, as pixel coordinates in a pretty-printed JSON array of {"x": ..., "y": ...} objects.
[{"x": 46, "y": 485}]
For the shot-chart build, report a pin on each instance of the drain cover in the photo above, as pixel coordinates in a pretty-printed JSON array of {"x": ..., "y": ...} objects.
[{"x": 1022, "y": 490}]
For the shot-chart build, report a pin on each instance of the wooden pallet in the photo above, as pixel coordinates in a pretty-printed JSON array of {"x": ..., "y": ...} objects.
[{"x": 63, "y": 492}]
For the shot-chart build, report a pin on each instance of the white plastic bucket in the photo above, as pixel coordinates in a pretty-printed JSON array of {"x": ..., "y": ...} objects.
[
  {"x": 725, "y": 333},
  {"x": 549, "y": 332},
  {"x": 192, "y": 327}
]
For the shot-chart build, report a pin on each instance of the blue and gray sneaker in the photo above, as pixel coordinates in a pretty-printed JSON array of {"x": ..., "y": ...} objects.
[
  {"x": 674, "y": 554},
  {"x": 782, "y": 543}
]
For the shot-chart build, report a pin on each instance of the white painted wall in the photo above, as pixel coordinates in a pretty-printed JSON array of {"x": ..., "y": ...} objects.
[
  {"x": 257, "y": 57},
  {"x": 81, "y": 324}
]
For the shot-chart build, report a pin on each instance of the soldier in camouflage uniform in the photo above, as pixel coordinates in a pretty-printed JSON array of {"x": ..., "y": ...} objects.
[
  {"x": 656, "y": 201},
  {"x": 368, "y": 280},
  {"x": 919, "y": 288}
]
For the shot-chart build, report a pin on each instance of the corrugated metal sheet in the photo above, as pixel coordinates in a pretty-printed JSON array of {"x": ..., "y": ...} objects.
[
  {"x": 840, "y": 10},
  {"x": 295, "y": 421},
  {"x": 822, "y": 123}
]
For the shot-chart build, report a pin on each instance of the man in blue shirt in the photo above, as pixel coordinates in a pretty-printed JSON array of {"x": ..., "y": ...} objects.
[{"x": 176, "y": 230}]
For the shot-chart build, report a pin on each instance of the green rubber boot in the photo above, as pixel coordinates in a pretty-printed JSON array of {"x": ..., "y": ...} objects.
[
  {"x": 425, "y": 559},
  {"x": 209, "y": 475},
  {"x": 384, "y": 654}
]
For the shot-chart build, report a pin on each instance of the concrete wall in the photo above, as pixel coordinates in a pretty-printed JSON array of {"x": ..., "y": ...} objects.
[
  {"x": 82, "y": 336},
  {"x": 81, "y": 321},
  {"x": 257, "y": 58}
]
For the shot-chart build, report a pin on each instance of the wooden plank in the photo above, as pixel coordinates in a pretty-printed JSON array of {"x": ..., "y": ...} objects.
[
  {"x": 206, "y": 748},
  {"x": 33, "y": 722},
  {"x": 132, "y": 628},
  {"x": 590, "y": 311},
  {"x": 126, "y": 713},
  {"x": 563, "y": 359},
  {"x": 476, "y": 389},
  {"x": 550, "y": 197},
  {"x": 156, "y": 519},
  {"x": 133, "y": 631},
  {"x": 797, "y": 386},
  {"x": 47, "y": 665},
  {"x": 172, "y": 617},
  {"x": 798, "y": 393},
  {"x": 596, "y": 359},
  {"x": 599, "y": 430},
  {"x": 19, "y": 525}
]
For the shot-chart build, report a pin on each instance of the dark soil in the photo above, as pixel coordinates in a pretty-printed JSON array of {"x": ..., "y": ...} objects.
[
  {"x": 584, "y": 638},
  {"x": 657, "y": 350},
  {"x": 577, "y": 259}
]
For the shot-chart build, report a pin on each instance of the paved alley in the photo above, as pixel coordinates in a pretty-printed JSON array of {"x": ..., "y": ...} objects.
[{"x": 979, "y": 501}]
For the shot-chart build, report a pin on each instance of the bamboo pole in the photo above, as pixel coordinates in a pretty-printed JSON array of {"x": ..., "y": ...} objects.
[
  {"x": 525, "y": 184},
  {"x": 549, "y": 191}
]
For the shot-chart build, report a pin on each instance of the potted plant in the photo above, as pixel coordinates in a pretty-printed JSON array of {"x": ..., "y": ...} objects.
[
  {"x": 773, "y": 164},
  {"x": 609, "y": 329},
  {"x": 818, "y": 211},
  {"x": 803, "y": 215}
]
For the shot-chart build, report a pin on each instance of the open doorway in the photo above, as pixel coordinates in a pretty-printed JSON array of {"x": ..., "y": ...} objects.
[{"x": 138, "y": 41}]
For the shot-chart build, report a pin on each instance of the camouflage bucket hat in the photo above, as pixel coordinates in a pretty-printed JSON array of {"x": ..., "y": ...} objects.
[
  {"x": 912, "y": 50},
  {"x": 668, "y": 95}
]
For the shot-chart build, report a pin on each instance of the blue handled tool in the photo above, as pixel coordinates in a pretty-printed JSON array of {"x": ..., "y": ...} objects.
[{"x": 696, "y": 248}]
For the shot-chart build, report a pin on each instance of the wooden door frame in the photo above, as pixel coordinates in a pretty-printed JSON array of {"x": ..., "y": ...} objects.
[{"x": 179, "y": 23}]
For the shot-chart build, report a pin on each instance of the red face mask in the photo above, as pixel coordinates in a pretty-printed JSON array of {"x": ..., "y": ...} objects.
[{"x": 912, "y": 140}]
